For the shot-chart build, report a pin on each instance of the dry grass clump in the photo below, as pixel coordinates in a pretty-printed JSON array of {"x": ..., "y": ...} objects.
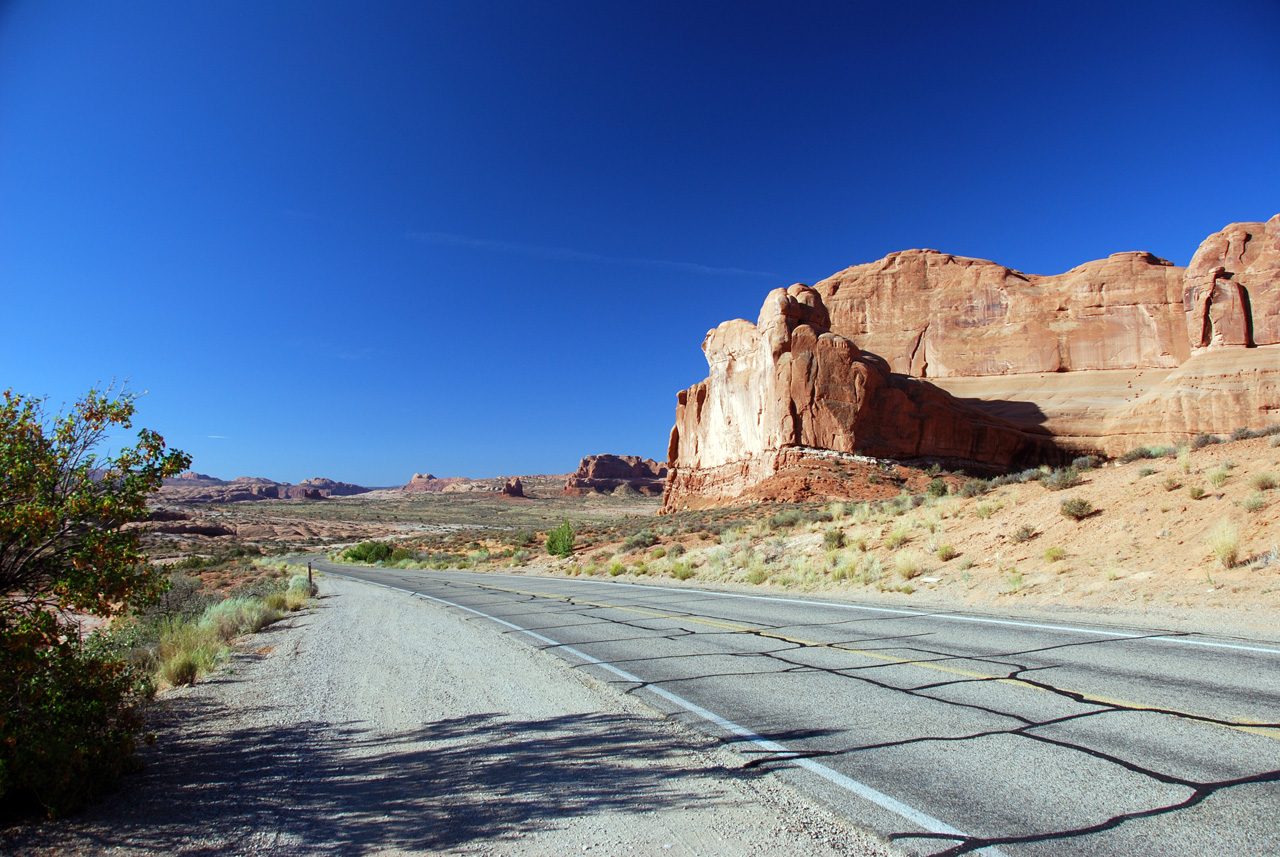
[
  {"x": 908, "y": 565},
  {"x": 1263, "y": 481},
  {"x": 945, "y": 553},
  {"x": 1224, "y": 541},
  {"x": 1054, "y": 553},
  {"x": 1076, "y": 508}
]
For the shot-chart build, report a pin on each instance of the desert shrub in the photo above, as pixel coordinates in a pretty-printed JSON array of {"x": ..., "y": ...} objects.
[
  {"x": 642, "y": 539},
  {"x": 833, "y": 539},
  {"x": 560, "y": 541},
  {"x": 1054, "y": 553},
  {"x": 1196, "y": 492},
  {"x": 368, "y": 552},
  {"x": 1014, "y": 580},
  {"x": 1086, "y": 462},
  {"x": 682, "y": 571},
  {"x": 946, "y": 553},
  {"x": 984, "y": 510},
  {"x": 896, "y": 538},
  {"x": 1242, "y": 433},
  {"x": 1025, "y": 533},
  {"x": 1171, "y": 483},
  {"x": 1255, "y": 502},
  {"x": 1202, "y": 440},
  {"x": 756, "y": 576},
  {"x": 785, "y": 519},
  {"x": 1219, "y": 476},
  {"x": 836, "y": 510},
  {"x": 917, "y": 501},
  {"x": 1224, "y": 541},
  {"x": 974, "y": 488},
  {"x": 520, "y": 557},
  {"x": 521, "y": 539},
  {"x": 659, "y": 553},
  {"x": 616, "y": 569},
  {"x": 1145, "y": 471},
  {"x": 933, "y": 469},
  {"x": 675, "y": 550},
  {"x": 1076, "y": 508},
  {"x": 1275, "y": 441},
  {"x": 302, "y": 583},
  {"x": 1263, "y": 481},
  {"x": 908, "y": 565},
  {"x": 277, "y": 602},
  {"x": 1141, "y": 452},
  {"x": 1061, "y": 479}
]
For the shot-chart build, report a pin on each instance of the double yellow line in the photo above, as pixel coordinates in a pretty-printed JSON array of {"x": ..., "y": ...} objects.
[{"x": 1241, "y": 724}]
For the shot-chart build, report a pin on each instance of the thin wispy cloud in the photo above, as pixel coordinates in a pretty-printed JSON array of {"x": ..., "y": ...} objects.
[
  {"x": 568, "y": 254},
  {"x": 216, "y": 436}
]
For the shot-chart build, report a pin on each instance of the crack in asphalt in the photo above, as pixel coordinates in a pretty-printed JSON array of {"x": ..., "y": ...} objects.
[{"x": 1017, "y": 673}]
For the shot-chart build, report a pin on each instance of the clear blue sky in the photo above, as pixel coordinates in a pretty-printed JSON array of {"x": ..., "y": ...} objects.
[{"x": 478, "y": 238}]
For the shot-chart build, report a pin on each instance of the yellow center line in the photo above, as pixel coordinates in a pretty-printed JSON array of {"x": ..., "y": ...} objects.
[{"x": 879, "y": 656}]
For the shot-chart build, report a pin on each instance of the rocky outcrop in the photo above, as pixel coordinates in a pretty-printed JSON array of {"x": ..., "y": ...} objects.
[
  {"x": 788, "y": 382},
  {"x": 604, "y": 474},
  {"x": 899, "y": 357},
  {"x": 513, "y": 488},
  {"x": 198, "y": 488}
]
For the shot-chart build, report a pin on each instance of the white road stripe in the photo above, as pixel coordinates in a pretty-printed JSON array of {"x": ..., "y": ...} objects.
[
  {"x": 921, "y": 614},
  {"x": 863, "y": 790}
]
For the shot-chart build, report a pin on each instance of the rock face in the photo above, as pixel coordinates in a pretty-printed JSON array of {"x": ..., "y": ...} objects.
[
  {"x": 789, "y": 383},
  {"x": 603, "y": 474},
  {"x": 1115, "y": 353},
  {"x": 513, "y": 488}
]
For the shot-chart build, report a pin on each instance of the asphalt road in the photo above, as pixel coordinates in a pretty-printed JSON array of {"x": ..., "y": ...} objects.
[{"x": 950, "y": 733}]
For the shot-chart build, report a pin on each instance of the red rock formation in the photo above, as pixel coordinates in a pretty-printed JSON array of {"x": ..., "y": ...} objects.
[
  {"x": 787, "y": 383},
  {"x": 603, "y": 474},
  {"x": 1115, "y": 353},
  {"x": 513, "y": 488}
]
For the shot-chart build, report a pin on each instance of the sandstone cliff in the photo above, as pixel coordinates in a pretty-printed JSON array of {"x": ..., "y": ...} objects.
[{"x": 1118, "y": 352}]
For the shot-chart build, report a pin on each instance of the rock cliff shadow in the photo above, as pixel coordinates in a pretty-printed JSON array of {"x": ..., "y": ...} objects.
[{"x": 322, "y": 788}]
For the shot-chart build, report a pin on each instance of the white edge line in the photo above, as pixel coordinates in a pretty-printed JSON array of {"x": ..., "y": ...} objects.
[
  {"x": 863, "y": 790},
  {"x": 921, "y": 614}
]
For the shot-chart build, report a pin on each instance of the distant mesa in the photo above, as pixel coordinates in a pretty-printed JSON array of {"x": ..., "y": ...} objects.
[
  {"x": 605, "y": 474},
  {"x": 927, "y": 355},
  {"x": 191, "y": 487}
]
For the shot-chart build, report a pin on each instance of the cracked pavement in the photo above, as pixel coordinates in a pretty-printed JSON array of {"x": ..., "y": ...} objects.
[{"x": 1020, "y": 738}]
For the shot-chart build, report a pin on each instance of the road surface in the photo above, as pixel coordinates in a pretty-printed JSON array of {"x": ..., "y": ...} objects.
[{"x": 949, "y": 733}]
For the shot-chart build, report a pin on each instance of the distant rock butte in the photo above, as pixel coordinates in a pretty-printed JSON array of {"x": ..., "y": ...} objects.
[
  {"x": 192, "y": 487},
  {"x": 513, "y": 488},
  {"x": 928, "y": 355},
  {"x": 604, "y": 474}
]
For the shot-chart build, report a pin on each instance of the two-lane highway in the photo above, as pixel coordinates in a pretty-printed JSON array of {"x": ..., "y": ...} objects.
[{"x": 950, "y": 733}]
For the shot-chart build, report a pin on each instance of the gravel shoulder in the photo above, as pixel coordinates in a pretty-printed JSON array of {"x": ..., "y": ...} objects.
[{"x": 383, "y": 724}]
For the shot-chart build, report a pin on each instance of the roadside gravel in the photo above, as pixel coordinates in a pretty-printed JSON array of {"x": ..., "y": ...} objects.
[{"x": 383, "y": 724}]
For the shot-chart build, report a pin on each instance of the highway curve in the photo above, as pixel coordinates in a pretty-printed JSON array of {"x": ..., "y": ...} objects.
[{"x": 949, "y": 733}]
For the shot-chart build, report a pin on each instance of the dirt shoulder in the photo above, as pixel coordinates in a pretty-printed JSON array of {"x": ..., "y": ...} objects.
[{"x": 383, "y": 724}]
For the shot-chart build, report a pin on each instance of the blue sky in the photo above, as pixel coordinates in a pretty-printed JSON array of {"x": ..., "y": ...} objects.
[{"x": 361, "y": 240}]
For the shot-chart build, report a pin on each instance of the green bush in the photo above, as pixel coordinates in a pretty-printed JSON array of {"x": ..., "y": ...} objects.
[
  {"x": 974, "y": 488},
  {"x": 642, "y": 539},
  {"x": 1054, "y": 553},
  {"x": 1076, "y": 508},
  {"x": 833, "y": 539},
  {"x": 946, "y": 553},
  {"x": 936, "y": 488},
  {"x": 681, "y": 571},
  {"x": 67, "y": 723},
  {"x": 368, "y": 552},
  {"x": 560, "y": 540}
]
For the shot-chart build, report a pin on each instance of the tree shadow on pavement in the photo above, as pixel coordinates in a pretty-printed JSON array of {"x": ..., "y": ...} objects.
[{"x": 325, "y": 788}]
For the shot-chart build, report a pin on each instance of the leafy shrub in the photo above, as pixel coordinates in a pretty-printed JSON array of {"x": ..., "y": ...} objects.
[
  {"x": 368, "y": 552},
  {"x": 642, "y": 539},
  {"x": 1025, "y": 533},
  {"x": 946, "y": 553},
  {"x": 1263, "y": 481},
  {"x": 936, "y": 488},
  {"x": 1076, "y": 508},
  {"x": 400, "y": 554},
  {"x": 1196, "y": 492},
  {"x": 1061, "y": 479},
  {"x": 1053, "y": 553},
  {"x": 616, "y": 569},
  {"x": 560, "y": 541},
  {"x": 1171, "y": 483},
  {"x": 833, "y": 539},
  {"x": 659, "y": 553},
  {"x": 1224, "y": 541}
]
